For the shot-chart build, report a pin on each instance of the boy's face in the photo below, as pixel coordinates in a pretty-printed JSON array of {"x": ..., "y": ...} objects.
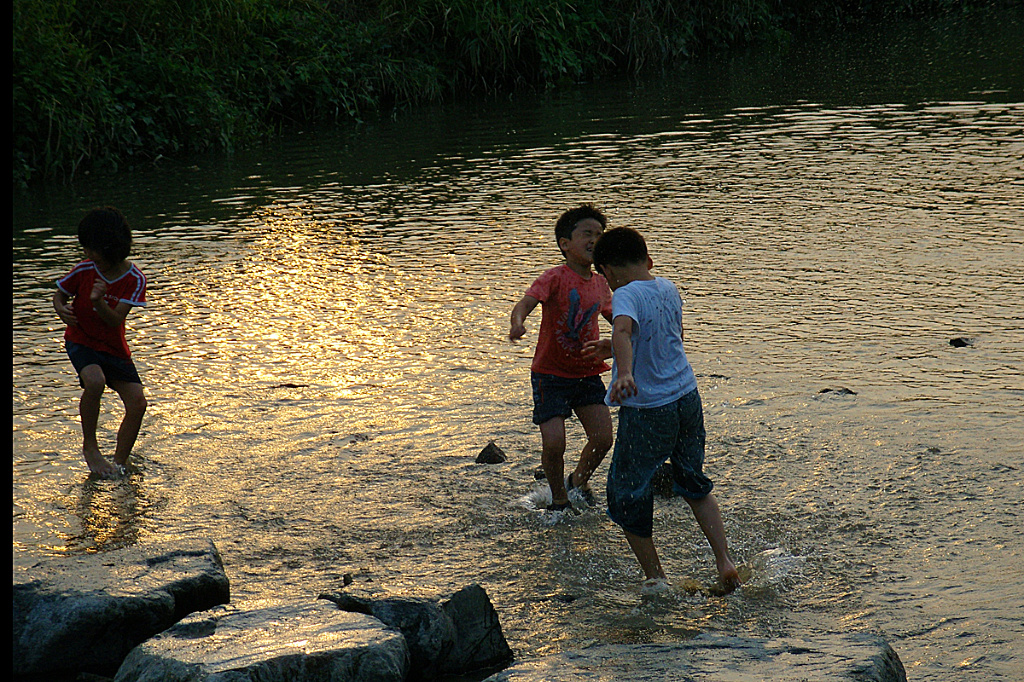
[
  {"x": 95, "y": 256},
  {"x": 580, "y": 247}
]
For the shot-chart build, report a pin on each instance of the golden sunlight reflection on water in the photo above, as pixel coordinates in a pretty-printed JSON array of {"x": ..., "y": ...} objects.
[{"x": 325, "y": 359}]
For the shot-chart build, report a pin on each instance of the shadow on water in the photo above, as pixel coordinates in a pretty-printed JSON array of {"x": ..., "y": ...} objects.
[{"x": 325, "y": 348}]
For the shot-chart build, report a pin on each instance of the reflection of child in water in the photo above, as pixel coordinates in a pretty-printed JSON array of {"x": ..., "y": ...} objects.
[
  {"x": 93, "y": 300},
  {"x": 564, "y": 379},
  {"x": 661, "y": 416}
]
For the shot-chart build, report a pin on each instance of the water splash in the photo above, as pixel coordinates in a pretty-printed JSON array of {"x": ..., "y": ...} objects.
[
  {"x": 774, "y": 570},
  {"x": 537, "y": 499}
]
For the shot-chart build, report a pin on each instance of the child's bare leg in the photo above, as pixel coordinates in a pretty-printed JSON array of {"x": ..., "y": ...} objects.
[
  {"x": 134, "y": 399},
  {"x": 552, "y": 457},
  {"x": 646, "y": 554},
  {"x": 93, "y": 381},
  {"x": 597, "y": 423},
  {"x": 709, "y": 517}
]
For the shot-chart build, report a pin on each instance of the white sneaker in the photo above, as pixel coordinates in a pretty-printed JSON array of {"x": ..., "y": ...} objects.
[
  {"x": 556, "y": 514},
  {"x": 581, "y": 498},
  {"x": 655, "y": 586}
]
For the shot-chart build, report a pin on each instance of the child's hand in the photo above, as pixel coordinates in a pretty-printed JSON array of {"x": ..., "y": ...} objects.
[
  {"x": 99, "y": 288},
  {"x": 517, "y": 331},
  {"x": 623, "y": 387},
  {"x": 66, "y": 313},
  {"x": 598, "y": 350}
]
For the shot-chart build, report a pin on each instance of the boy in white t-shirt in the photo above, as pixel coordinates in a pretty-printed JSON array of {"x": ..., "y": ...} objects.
[{"x": 660, "y": 414}]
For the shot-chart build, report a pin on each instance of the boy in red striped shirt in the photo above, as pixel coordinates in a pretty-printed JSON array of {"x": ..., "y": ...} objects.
[{"x": 93, "y": 300}]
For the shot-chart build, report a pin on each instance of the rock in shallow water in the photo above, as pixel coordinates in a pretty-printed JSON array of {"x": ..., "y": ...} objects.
[
  {"x": 458, "y": 636},
  {"x": 479, "y": 640},
  {"x": 491, "y": 454},
  {"x": 271, "y": 642},
  {"x": 85, "y": 613},
  {"x": 838, "y": 658},
  {"x": 429, "y": 632}
]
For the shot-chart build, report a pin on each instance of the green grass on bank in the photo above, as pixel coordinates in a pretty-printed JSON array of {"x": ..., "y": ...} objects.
[{"x": 114, "y": 83}]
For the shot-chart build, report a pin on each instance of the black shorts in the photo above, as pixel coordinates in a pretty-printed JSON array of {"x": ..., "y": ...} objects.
[
  {"x": 114, "y": 368},
  {"x": 558, "y": 396}
]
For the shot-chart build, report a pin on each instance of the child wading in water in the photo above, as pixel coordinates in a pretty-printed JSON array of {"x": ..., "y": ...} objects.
[
  {"x": 660, "y": 414},
  {"x": 93, "y": 300},
  {"x": 564, "y": 381}
]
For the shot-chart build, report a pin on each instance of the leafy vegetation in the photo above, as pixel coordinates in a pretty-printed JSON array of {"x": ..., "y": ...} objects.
[{"x": 113, "y": 83}]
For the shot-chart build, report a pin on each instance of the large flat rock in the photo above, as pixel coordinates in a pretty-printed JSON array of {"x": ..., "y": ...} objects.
[
  {"x": 715, "y": 658},
  {"x": 85, "y": 613},
  {"x": 271, "y": 642}
]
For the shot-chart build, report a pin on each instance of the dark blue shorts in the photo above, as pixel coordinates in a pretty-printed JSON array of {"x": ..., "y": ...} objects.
[
  {"x": 555, "y": 396},
  {"x": 114, "y": 368},
  {"x": 647, "y": 436}
]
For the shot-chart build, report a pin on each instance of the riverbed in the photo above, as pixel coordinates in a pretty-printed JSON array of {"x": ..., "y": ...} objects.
[{"x": 325, "y": 349}]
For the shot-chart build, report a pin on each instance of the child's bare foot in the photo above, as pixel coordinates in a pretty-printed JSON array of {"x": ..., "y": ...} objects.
[
  {"x": 98, "y": 464},
  {"x": 728, "y": 580}
]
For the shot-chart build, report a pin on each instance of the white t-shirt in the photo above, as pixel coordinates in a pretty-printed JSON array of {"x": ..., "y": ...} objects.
[{"x": 660, "y": 368}]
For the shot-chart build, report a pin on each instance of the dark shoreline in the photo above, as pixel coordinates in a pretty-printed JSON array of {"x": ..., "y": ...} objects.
[{"x": 117, "y": 85}]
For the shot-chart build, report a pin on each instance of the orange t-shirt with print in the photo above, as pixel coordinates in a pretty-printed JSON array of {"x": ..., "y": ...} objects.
[{"x": 570, "y": 305}]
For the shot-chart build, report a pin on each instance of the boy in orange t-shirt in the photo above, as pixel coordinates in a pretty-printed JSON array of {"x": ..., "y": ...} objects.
[{"x": 566, "y": 379}]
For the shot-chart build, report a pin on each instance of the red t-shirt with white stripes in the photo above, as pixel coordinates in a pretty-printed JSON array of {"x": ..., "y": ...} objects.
[{"x": 91, "y": 331}]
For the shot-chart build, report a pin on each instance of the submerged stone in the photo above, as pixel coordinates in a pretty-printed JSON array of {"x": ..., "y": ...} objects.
[
  {"x": 838, "y": 391},
  {"x": 838, "y": 658}
]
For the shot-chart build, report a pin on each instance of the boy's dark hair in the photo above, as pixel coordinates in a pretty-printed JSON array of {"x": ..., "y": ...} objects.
[
  {"x": 567, "y": 221},
  {"x": 106, "y": 231},
  {"x": 618, "y": 247}
]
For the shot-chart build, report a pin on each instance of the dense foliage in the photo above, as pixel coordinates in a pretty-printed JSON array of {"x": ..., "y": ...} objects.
[{"x": 105, "y": 83}]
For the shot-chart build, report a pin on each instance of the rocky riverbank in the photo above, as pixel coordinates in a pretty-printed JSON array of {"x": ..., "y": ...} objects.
[{"x": 163, "y": 612}]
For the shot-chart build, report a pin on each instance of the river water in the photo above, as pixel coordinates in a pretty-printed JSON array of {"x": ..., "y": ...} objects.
[{"x": 325, "y": 349}]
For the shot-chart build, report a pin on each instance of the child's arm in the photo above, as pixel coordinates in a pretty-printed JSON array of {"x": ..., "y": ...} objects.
[
  {"x": 518, "y": 319},
  {"x": 62, "y": 304},
  {"x": 112, "y": 317},
  {"x": 600, "y": 349},
  {"x": 622, "y": 343}
]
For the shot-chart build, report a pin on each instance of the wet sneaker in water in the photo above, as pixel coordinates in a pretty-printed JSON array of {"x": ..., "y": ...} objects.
[
  {"x": 562, "y": 507},
  {"x": 580, "y": 497},
  {"x": 652, "y": 587},
  {"x": 556, "y": 513}
]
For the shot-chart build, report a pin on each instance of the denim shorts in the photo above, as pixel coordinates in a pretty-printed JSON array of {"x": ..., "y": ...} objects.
[
  {"x": 114, "y": 368},
  {"x": 647, "y": 436},
  {"x": 555, "y": 396}
]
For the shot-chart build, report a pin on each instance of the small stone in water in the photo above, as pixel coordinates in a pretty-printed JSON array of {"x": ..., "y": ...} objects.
[
  {"x": 491, "y": 454},
  {"x": 838, "y": 391}
]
